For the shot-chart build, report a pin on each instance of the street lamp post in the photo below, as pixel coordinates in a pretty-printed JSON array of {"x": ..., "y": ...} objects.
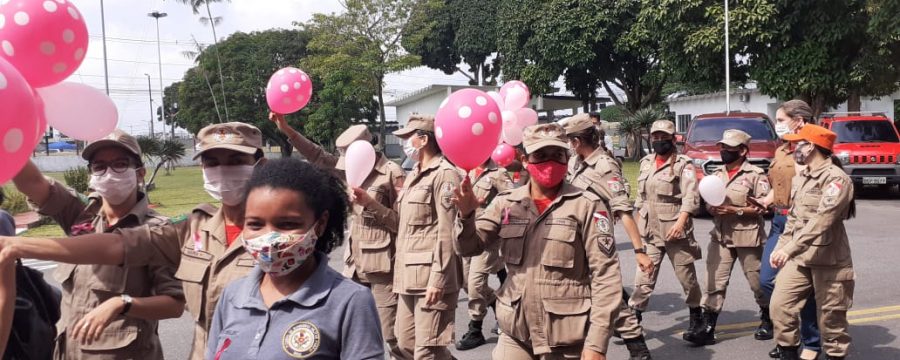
[
  {"x": 105, "y": 60},
  {"x": 162, "y": 95},
  {"x": 727, "y": 66},
  {"x": 150, "y": 92}
]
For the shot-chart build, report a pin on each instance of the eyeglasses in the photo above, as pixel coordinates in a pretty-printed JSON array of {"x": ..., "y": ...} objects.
[{"x": 117, "y": 166}]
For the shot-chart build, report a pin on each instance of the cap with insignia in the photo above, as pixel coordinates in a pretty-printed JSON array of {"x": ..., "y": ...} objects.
[
  {"x": 735, "y": 138},
  {"x": 349, "y": 136},
  {"x": 664, "y": 126},
  {"x": 579, "y": 122},
  {"x": 416, "y": 122},
  {"x": 540, "y": 136},
  {"x": 117, "y": 138},
  {"x": 236, "y": 136}
]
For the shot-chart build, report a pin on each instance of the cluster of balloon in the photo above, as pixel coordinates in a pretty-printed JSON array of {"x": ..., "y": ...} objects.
[
  {"x": 42, "y": 42},
  {"x": 513, "y": 99},
  {"x": 468, "y": 126}
]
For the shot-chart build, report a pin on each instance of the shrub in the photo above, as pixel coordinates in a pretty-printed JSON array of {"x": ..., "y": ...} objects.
[
  {"x": 15, "y": 202},
  {"x": 78, "y": 179}
]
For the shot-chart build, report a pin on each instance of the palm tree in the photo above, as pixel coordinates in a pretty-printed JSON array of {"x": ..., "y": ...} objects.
[
  {"x": 159, "y": 153},
  {"x": 212, "y": 21},
  {"x": 636, "y": 125},
  {"x": 170, "y": 153},
  {"x": 194, "y": 55}
]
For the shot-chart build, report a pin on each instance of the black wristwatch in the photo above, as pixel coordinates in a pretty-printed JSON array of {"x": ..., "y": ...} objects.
[
  {"x": 642, "y": 250},
  {"x": 127, "y": 300}
]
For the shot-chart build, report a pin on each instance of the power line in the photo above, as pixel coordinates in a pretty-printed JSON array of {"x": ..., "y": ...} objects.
[
  {"x": 138, "y": 62},
  {"x": 149, "y": 42},
  {"x": 125, "y": 77}
]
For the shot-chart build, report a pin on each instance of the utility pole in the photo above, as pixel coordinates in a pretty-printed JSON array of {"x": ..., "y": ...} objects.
[
  {"x": 727, "y": 66},
  {"x": 105, "y": 62},
  {"x": 150, "y": 92},
  {"x": 162, "y": 95}
]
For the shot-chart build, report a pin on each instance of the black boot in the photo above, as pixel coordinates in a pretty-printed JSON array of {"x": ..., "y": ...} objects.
[
  {"x": 775, "y": 353},
  {"x": 639, "y": 315},
  {"x": 472, "y": 339},
  {"x": 706, "y": 335},
  {"x": 696, "y": 322},
  {"x": 788, "y": 352},
  {"x": 637, "y": 348},
  {"x": 829, "y": 357},
  {"x": 764, "y": 331}
]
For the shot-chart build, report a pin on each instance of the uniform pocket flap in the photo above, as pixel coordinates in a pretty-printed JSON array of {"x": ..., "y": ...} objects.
[
  {"x": 191, "y": 271},
  {"x": 63, "y": 272},
  {"x": 669, "y": 217},
  {"x": 420, "y": 195},
  {"x": 572, "y": 306},
  {"x": 512, "y": 231},
  {"x": 564, "y": 233},
  {"x": 375, "y": 244},
  {"x": 667, "y": 177},
  {"x": 418, "y": 258},
  {"x": 113, "y": 339}
]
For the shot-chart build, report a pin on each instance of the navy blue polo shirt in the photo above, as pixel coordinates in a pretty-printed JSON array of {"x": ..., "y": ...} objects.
[{"x": 328, "y": 317}]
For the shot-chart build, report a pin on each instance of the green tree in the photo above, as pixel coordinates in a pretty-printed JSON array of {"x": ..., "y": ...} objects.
[
  {"x": 212, "y": 21},
  {"x": 444, "y": 33},
  {"x": 366, "y": 38}
]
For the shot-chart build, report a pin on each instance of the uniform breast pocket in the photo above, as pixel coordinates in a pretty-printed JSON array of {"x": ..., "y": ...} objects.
[
  {"x": 811, "y": 199},
  {"x": 567, "y": 320},
  {"x": 666, "y": 185},
  {"x": 421, "y": 203},
  {"x": 192, "y": 272},
  {"x": 513, "y": 243},
  {"x": 737, "y": 194},
  {"x": 482, "y": 188},
  {"x": 378, "y": 194},
  {"x": 559, "y": 250},
  {"x": 109, "y": 278}
]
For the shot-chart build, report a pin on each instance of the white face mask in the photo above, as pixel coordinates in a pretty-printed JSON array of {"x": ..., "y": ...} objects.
[
  {"x": 279, "y": 254},
  {"x": 227, "y": 184},
  {"x": 113, "y": 187},
  {"x": 410, "y": 150},
  {"x": 782, "y": 129}
]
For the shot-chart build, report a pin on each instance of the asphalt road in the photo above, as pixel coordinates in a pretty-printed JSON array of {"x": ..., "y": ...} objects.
[{"x": 874, "y": 318}]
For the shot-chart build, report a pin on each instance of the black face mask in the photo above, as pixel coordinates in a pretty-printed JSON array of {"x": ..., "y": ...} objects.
[
  {"x": 664, "y": 147},
  {"x": 729, "y": 157}
]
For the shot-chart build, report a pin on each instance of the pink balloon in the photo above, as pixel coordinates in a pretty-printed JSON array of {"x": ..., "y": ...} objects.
[
  {"x": 526, "y": 117},
  {"x": 504, "y": 155},
  {"x": 359, "y": 162},
  {"x": 498, "y": 99},
  {"x": 18, "y": 118},
  {"x": 515, "y": 94},
  {"x": 45, "y": 40},
  {"x": 289, "y": 90},
  {"x": 79, "y": 111},
  {"x": 513, "y": 135},
  {"x": 467, "y": 127}
]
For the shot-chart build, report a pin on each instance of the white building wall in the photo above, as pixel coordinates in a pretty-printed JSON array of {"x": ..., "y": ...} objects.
[{"x": 427, "y": 105}]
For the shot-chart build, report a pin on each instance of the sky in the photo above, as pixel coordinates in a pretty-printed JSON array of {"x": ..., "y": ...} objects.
[{"x": 132, "y": 50}]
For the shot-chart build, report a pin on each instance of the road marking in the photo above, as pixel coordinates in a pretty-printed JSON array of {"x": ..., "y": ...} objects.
[
  {"x": 852, "y": 313},
  {"x": 39, "y": 265}
]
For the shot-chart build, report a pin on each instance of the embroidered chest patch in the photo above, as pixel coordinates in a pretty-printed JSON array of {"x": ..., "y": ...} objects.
[{"x": 301, "y": 340}]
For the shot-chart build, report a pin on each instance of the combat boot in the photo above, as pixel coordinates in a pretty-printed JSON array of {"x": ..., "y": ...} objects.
[
  {"x": 696, "y": 322},
  {"x": 706, "y": 335},
  {"x": 775, "y": 353},
  {"x": 637, "y": 349},
  {"x": 764, "y": 331},
  {"x": 473, "y": 338},
  {"x": 788, "y": 352},
  {"x": 829, "y": 357}
]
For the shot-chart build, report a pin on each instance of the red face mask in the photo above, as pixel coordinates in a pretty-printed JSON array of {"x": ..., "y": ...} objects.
[{"x": 548, "y": 174}]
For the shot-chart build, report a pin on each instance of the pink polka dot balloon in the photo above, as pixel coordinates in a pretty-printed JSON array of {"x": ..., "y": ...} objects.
[
  {"x": 18, "y": 121},
  {"x": 288, "y": 91},
  {"x": 45, "y": 39},
  {"x": 467, "y": 127},
  {"x": 504, "y": 155}
]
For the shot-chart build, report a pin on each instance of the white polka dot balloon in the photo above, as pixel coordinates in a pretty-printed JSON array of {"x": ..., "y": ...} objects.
[
  {"x": 19, "y": 126},
  {"x": 469, "y": 127},
  {"x": 289, "y": 90},
  {"x": 45, "y": 39}
]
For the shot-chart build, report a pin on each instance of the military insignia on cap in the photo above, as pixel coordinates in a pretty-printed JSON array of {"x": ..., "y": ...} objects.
[
  {"x": 615, "y": 185},
  {"x": 301, "y": 340},
  {"x": 601, "y": 219},
  {"x": 223, "y": 136}
]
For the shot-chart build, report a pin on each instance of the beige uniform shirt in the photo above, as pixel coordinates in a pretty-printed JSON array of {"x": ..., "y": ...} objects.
[
  {"x": 563, "y": 270},
  {"x": 741, "y": 231},
  {"x": 663, "y": 194},
  {"x": 781, "y": 172},
  {"x": 490, "y": 183},
  {"x": 425, "y": 256},
  {"x": 601, "y": 175},
  {"x": 316, "y": 155},
  {"x": 814, "y": 234},
  {"x": 85, "y": 287},
  {"x": 197, "y": 245}
]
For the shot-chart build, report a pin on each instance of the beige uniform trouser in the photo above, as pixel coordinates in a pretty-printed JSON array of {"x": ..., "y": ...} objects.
[
  {"x": 476, "y": 270},
  {"x": 386, "y": 303},
  {"x": 626, "y": 323},
  {"x": 683, "y": 265},
  {"x": 424, "y": 332},
  {"x": 719, "y": 264},
  {"x": 833, "y": 288},
  {"x": 511, "y": 349}
]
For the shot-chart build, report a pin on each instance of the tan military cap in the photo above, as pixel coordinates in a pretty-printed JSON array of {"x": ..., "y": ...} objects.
[
  {"x": 237, "y": 136},
  {"x": 577, "y": 123},
  {"x": 353, "y": 133},
  {"x": 735, "y": 138},
  {"x": 116, "y": 138},
  {"x": 543, "y": 135},
  {"x": 665, "y": 126},
  {"x": 416, "y": 122}
]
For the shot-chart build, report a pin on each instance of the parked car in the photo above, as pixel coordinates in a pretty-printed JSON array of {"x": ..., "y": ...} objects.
[
  {"x": 700, "y": 143},
  {"x": 868, "y": 145}
]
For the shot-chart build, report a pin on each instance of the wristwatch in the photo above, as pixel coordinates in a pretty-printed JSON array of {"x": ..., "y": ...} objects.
[
  {"x": 128, "y": 301},
  {"x": 740, "y": 212},
  {"x": 642, "y": 250}
]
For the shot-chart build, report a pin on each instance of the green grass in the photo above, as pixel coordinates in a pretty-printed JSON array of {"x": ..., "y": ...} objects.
[
  {"x": 631, "y": 170},
  {"x": 174, "y": 195}
]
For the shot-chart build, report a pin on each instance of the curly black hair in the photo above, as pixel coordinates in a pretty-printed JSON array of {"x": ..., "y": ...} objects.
[{"x": 322, "y": 191}]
